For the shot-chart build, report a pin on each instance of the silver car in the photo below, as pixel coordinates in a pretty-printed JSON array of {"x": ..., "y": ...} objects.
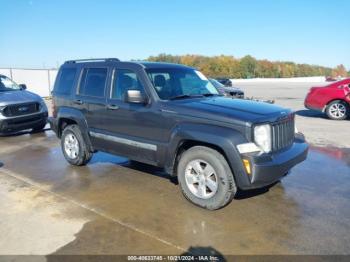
[{"x": 20, "y": 109}]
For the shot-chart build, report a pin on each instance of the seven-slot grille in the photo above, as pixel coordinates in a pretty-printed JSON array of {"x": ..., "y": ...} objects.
[
  {"x": 21, "y": 109},
  {"x": 283, "y": 133}
]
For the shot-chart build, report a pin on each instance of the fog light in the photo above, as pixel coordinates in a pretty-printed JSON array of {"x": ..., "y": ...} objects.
[{"x": 246, "y": 164}]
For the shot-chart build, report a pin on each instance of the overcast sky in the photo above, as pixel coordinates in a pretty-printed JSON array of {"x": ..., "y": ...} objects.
[{"x": 41, "y": 33}]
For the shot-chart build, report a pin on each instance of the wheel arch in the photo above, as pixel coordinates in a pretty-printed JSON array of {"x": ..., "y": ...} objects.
[
  {"x": 62, "y": 123},
  {"x": 69, "y": 116},
  {"x": 186, "y": 144},
  {"x": 221, "y": 139},
  {"x": 333, "y": 100}
]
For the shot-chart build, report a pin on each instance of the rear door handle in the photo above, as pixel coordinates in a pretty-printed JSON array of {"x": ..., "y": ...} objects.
[
  {"x": 112, "y": 107},
  {"x": 78, "y": 102}
]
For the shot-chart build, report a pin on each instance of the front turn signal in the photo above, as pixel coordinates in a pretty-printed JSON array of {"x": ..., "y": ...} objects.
[{"x": 247, "y": 167}]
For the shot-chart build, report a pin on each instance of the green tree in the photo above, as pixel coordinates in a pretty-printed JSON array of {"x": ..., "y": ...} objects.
[
  {"x": 248, "y": 66},
  {"x": 340, "y": 70}
]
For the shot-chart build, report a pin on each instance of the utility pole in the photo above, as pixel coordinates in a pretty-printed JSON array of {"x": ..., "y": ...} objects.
[{"x": 49, "y": 80}]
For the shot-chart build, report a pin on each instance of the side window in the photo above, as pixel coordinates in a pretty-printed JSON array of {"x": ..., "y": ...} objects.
[
  {"x": 124, "y": 80},
  {"x": 66, "y": 81},
  {"x": 93, "y": 82}
]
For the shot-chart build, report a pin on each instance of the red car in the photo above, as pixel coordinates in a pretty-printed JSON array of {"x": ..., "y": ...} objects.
[{"x": 333, "y": 99}]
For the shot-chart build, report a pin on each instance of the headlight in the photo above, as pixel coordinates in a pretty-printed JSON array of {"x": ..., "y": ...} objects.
[
  {"x": 43, "y": 105},
  {"x": 262, "y": 137}
]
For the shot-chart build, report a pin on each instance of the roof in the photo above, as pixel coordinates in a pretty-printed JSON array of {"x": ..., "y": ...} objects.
[{"x": 145, "y": 64}]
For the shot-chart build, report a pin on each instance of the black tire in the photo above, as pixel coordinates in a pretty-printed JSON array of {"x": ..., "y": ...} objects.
[
  {"x": 332, "y": 114},
  {"x": 84, "y": 155},
  {"x": 39, "y": 128},
  {"x": 226, "y": 186}
]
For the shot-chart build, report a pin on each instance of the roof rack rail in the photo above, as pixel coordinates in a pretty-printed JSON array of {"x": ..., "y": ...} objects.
[{"x": 92, "y": 60}]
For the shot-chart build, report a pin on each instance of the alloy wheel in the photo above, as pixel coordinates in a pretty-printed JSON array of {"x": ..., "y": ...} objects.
[
  {"x": 201, "y": 179},
  {"x": 71, "y": 146},
  {"x": 337, "y": 110}
]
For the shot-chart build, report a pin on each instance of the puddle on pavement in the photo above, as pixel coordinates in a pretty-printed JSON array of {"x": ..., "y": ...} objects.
[
  {"x": 305, "y": 213},
  {"x": 342, "y": 154}
]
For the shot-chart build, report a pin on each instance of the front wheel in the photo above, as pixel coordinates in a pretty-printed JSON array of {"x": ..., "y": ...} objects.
[
  {"x": 337, "y": 110},
  {"x": 206, "y": 178},
  {"x": 74, "y": 147}
]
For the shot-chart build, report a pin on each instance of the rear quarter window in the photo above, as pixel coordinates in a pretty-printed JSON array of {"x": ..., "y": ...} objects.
[
  {"x": 66, "y": 81},
  {"x": 93, "y": 82}
]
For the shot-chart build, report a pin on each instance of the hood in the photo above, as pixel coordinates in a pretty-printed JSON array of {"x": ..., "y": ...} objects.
[
  {"x": 232, "y": 89},
  {"x": 17, "y": 97},
  {"x": 239, "y": 111}
]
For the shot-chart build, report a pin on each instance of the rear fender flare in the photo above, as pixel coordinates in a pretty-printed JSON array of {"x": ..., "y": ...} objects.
[{"x": 78, "y": 117}]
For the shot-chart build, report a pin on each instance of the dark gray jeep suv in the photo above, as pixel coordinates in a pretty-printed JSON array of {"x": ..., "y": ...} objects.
[
  {"x": 20, "y": 109},
  {"x": 171, "y": 116}
]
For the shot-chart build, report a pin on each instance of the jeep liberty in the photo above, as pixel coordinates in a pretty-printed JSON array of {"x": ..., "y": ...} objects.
[{"x": 171, "y": 116}]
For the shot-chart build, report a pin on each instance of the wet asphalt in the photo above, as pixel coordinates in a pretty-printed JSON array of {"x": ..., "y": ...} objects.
[{"x": 122, "y": 207}]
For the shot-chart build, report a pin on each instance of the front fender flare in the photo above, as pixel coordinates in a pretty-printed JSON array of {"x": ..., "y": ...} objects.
[{"x": 222, "y": 137}]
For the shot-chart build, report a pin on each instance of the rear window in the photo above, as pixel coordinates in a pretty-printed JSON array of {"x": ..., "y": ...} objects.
[
  {"x": 66, "y": 81},
  {"x": 93, "y": 82}
]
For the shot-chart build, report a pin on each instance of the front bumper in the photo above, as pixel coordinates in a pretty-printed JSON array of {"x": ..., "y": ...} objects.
[
  {"x": 14, "y": 124},
  {"x": 269, "y": 168}
]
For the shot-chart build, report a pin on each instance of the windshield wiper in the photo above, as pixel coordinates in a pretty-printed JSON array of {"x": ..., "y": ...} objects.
[
  {"x": 191, "y": 96},
  {"x": 183, "y": 97},
  {"x": 209, "y": 94}
]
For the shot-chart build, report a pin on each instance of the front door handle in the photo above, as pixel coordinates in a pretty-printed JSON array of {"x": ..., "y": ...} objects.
[
  {"x": 112, "y": 107},
  {"x": 78, "y": 102}
]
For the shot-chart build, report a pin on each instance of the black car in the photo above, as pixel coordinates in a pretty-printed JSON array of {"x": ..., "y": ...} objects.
[
  {"x": 225, "y": 81},
  {"x": 171, "y": 116},
  {"x": 227, "y": 91},
  {"x": 20, "y": 109}
]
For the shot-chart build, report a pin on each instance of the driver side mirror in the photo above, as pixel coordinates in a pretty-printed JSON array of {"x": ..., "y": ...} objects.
[
  {"x": 23, "y": 86},
  {"x": 135, "y": 97}
]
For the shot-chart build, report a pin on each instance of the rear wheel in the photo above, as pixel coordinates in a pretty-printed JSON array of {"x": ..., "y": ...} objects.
[
  {"x": 206, "y": 178},
  {"x": 74, "y": 147},
  {"x": 337, "y": 110}
]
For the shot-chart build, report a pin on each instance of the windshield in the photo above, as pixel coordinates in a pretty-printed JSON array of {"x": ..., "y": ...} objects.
[
  {"x": 6, "y": 84},
  {"x": 173, "y": 83}
]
